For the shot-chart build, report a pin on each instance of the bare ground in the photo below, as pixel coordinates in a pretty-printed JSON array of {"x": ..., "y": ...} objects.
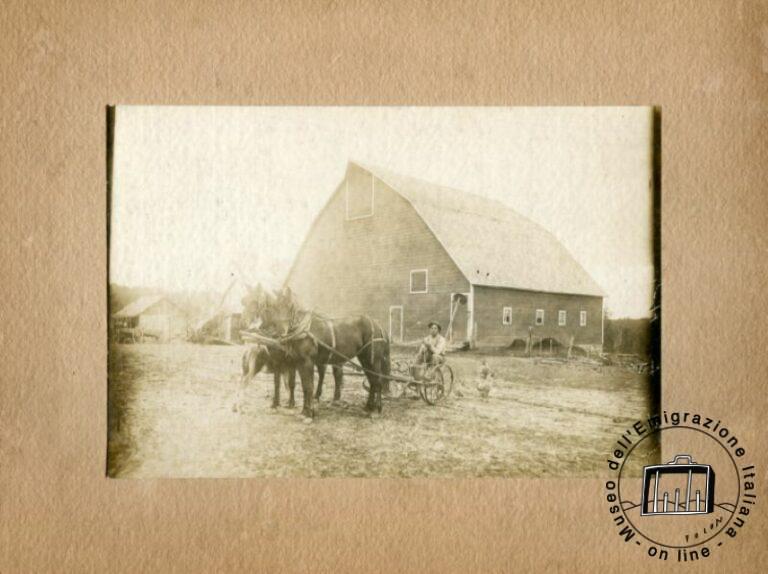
[{"x": 170, "y": 415}]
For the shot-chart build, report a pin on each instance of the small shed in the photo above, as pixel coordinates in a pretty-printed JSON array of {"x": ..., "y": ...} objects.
[
  {"x": 156, "y": 316},
  {"x": 223, "y": 324}
]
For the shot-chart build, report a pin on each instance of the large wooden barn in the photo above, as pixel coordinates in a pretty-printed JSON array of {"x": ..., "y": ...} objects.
[{"x": 408, "y": 252}]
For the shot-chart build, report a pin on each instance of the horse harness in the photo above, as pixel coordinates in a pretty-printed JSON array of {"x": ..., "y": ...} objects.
[
  {"x": 374, "y": 339},
  {"x": 304, "y": 329}
]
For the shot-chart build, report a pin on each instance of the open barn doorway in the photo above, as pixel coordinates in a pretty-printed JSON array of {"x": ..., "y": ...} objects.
[
  {"x": 457, "y": 323},
  {"x": 396, "y": 323}
]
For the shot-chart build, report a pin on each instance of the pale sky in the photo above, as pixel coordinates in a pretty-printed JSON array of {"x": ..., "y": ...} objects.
[{"x": 202, "y": 194}]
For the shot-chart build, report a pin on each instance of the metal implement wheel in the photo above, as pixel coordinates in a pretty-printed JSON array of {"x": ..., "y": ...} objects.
[
  {"x": 432, "y": 390},
  {"x": 396, "y": 388},
  {"x": 401, "y": 367},
  {"x": 447, "y": 373}
]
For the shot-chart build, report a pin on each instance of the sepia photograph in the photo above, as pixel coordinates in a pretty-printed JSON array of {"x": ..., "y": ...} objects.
[{"x": 380, "y": 291}]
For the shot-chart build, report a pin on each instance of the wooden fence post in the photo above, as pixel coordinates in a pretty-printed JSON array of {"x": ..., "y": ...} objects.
[{"x": 529, "y": 342}]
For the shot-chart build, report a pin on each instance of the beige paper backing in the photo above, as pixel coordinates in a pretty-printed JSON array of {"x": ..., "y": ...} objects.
[{"x": 704, "y": 63}]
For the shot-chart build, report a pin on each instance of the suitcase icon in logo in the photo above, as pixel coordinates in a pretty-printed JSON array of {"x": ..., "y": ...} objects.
[{"x": 678, "y": 488}]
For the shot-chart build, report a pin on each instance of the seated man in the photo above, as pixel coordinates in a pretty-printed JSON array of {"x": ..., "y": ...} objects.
[{"x": 432, "y": 350}]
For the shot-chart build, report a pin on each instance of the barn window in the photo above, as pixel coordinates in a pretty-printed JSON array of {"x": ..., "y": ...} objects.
[
  {"x": 419, "y": 281},
  {"x": 561, "y": 317},
  {"x": 583, "y": 319},
  {"x": 359, "y": 194},
  {"x": 506, "y": 316},
  {"x": 539, "y": 316}
]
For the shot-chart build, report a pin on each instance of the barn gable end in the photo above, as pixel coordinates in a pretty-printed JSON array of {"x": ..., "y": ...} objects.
[{"x": 363, "y": 264}]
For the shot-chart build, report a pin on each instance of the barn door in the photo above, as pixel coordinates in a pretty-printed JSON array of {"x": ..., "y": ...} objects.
[
  {"x": 457, "y": 323},
  {"x": 396, "y": 323}
]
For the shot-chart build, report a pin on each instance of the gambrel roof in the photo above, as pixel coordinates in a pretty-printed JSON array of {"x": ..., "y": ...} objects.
[{"x": 490, "y": 243}]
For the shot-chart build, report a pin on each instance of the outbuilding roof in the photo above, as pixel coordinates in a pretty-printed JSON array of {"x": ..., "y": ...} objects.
[
  {"x": 139, "y": 306},
  {"x": 490, "y": 243}
]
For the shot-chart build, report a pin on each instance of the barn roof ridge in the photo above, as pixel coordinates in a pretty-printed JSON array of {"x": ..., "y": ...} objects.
[
  {"x": 480, "y": 235},
  {"x": 382, "y": 173}
]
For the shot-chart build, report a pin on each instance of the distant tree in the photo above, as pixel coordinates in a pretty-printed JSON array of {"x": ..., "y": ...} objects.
[{"x": 630, "y": 336}]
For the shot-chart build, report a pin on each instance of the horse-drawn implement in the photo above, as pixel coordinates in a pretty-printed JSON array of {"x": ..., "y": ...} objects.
[
  {"x": 432, "y": 382},
  {"x": 306, "y": 340}
]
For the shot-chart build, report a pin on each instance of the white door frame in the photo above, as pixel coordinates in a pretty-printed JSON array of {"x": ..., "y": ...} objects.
[
  {"x": 471, "y": 334},
  {"x": 449, "y": 333},
  {"x": 391, "y": 308}
]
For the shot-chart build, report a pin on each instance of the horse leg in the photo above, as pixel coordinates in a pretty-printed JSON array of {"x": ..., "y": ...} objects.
[
  {"x": 376, "y": 383},
  {"x": 338, "y": 378},
  {"x": 370, "y": 404},
  {"x": 307, "y": 374},
  {"x": 249, "y": 371},
  {"x": 276, "y": 397},
  {"x": 320, "y": 379},
  {"x": 386, "y": 369},
  {"x": 244, "y": 380},
  {"x": 291, "y": 387}
]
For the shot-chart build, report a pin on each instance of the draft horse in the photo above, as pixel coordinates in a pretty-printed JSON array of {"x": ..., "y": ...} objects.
[
  {"x": 311, "y": 340},
  {"x": 274, "y": 360}
]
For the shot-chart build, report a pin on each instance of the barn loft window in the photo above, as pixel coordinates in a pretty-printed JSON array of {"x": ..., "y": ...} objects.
[
  {"x": 583, "y": 319},
  {"x": 539, "y": 316},
  {"x": 506, "y": 316},
  {"x": 561, "y": 317},
  {"x": 359, "y": 194},
  {"x": 419, "y": 281}
]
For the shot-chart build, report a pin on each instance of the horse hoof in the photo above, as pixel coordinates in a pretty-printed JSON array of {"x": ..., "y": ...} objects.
[{"x": 307, "y": 420}]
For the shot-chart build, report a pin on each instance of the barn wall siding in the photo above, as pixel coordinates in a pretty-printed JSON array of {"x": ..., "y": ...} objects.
[
  {"x": 164, "y": 321},
  {"x": 164, "y": 327},
  {"x": 363, "y": 265},
  {"x": 490, "y": 301}
]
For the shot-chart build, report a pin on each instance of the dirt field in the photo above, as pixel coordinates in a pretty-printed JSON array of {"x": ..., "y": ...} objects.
[{"x": 170, "y": 415}]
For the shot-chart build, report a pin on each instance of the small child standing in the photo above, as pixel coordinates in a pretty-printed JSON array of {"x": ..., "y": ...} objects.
[{"x": 484, "y": 384}]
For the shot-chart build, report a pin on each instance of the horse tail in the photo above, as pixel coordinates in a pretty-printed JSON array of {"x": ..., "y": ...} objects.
[
  {"x": 254, "y": 360},
  {"x": 247, "y": 359},
  {"x": 386, "y": 367}
]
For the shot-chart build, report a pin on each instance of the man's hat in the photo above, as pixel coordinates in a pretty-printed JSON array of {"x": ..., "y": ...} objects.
[{"x": 436, "y": 324}]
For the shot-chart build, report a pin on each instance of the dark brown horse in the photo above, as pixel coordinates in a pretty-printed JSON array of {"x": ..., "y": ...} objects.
[
  {"x": 274, "y": 360},
  {"x": 310, "y": 340}
]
